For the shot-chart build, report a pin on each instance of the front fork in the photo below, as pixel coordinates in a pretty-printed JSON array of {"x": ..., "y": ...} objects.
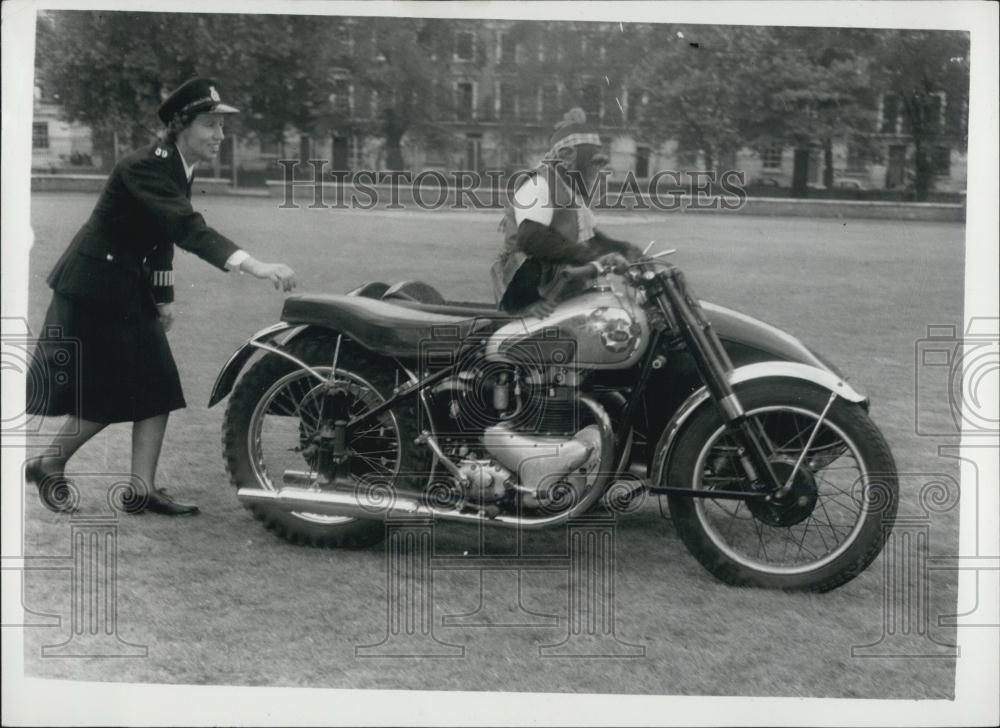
[{"x": 683, "y": 312}]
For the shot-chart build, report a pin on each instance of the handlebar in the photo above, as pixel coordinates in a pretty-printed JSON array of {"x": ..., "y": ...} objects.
[
  {"x": 584, "y": 272},
  {"x": 595, "y": 268}
]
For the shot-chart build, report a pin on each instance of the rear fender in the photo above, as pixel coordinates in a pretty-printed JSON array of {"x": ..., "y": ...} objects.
[
  {"x": 263, "y": 340},
  {"x": 751, "y": 372},
  {"x": 266, "y": 339}
]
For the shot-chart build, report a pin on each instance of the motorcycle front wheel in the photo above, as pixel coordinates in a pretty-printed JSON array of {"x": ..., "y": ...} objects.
[{"x": 836, "y": 516}]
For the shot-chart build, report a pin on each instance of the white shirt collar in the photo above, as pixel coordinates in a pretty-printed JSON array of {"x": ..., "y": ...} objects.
[{"x": 188, "y": 168}]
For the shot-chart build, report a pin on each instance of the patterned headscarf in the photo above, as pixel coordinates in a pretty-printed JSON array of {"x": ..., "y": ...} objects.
[{"x": 572, "y": 130}]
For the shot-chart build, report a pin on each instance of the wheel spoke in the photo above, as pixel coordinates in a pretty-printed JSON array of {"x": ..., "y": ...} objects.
[
  {"x": 290, "y": 414},
  {"x": 779, "y": 539},
  {"x": 733, "y": 520},
  {"x": 760, "y": 538}
]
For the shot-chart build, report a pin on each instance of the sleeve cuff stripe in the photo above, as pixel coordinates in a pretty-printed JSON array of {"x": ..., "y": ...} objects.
[{"x": 163, "y": 278}]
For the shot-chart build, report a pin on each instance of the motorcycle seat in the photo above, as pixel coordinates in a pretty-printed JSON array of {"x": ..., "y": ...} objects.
[{"x": 388, "y": 327}]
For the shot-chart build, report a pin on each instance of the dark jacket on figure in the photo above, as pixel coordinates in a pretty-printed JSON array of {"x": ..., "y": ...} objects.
[{"x": 122, "y": 258}]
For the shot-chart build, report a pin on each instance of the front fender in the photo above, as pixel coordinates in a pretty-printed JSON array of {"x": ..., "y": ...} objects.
[
  {"x": 227, "y": 376},
  {"x": 751, "y": 372}
]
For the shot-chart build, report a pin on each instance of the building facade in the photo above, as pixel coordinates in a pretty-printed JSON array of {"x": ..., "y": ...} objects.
[
  {"x": 59, "y": 145},
  {"x": 498, "y": 122}
]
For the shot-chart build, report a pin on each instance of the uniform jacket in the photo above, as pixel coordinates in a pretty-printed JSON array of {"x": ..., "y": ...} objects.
[{"x": 122, "y": 258}]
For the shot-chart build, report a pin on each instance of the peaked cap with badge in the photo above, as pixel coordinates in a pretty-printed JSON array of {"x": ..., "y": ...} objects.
[
  {"x": 116, "y": 269},
  {"x": 194, "y": 96}
]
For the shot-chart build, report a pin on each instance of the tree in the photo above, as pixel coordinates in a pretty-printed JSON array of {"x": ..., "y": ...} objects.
[
  {"x": 814, "y": 86},
  {"x": 399, "y": 68},
  {"x": 111, "y": 70},
  {"x": 700, "y": 85},
  {"x": 925, "y": 77}
]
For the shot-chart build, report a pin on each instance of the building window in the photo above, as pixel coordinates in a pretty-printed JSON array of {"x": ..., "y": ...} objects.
[
  {"x": 518, "y": 146},
  {"x": 771, "y": 157},
  {"x": 346, "y": 38},
  {"x": 506, "y": 96},
  {"x": 527, "y": 111},
  {"x": 271, "y": 146},
  {"x": 40, "y": 135},
  {"x": 508, "y": 48},
  {"x": 592, "y": 100},
  {"x": 935, "y": 111},
  {"x": 856, "y": 158},
  {"x": 642, "y": 155},
  {"x": 465, "y": 45},
  {"x": 473, "y": 152},
  {"x": 687, "y": 159},
  {"x": 890, "y": 114},
  {"x": 437, "y": 155},
  {"x": 941, "y": 161},
  {"x": 357, "y": 152},
  {"x": 635, "y": 101},
  {"x": 342, "y": 98},
  {"x": 465, "y": 100},
  {"x": 548, "y": 106}
]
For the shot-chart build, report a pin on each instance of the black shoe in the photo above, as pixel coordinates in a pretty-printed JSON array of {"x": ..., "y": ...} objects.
[
  {"x": 159, "y": 502},
  {"x": 55, "y": 490}
]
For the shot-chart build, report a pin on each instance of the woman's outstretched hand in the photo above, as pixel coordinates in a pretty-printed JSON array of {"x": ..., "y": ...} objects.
[
  {"x": 166, "y": 312},
  {"x": 280, "y": 274}
]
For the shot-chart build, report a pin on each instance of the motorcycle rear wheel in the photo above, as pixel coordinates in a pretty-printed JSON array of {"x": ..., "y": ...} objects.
[
  {"x": 839, "y": 513},
  {"x": 276, "y": 389}
]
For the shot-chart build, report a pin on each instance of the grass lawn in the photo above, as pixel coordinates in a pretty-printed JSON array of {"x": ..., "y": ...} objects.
[{"x": 220, "y": 601}]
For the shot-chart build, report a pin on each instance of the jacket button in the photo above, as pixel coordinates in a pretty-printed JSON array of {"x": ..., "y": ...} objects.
[{"x": 109, "y": 257}]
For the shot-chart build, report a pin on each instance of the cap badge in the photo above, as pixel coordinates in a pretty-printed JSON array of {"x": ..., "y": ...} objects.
[{"x": 214, "y": 94}]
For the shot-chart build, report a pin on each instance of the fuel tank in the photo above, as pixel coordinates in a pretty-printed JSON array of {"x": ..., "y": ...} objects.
[{"x": 603, "y": 328}]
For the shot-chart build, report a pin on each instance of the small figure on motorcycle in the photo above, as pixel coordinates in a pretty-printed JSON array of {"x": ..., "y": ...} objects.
[{"x": 548, "y": 224}]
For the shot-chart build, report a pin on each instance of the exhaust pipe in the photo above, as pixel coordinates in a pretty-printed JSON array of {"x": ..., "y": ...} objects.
[
  {"x": 334, "y": 503},
  {"x": 383, "y": 504}
]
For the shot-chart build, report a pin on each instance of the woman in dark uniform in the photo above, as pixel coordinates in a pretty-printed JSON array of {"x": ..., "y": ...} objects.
[{"x": 112, "y": 296}]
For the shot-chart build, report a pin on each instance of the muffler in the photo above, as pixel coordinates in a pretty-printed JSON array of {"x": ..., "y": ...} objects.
[
  {"x": 356, "y": 505},
  {"x": 338, "y": 503}
]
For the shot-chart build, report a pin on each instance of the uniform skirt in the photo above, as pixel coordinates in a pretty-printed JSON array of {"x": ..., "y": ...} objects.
[{"x": 102, "y": 368}]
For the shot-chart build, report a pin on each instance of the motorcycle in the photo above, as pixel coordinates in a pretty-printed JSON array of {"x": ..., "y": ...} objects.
[{"x": 390, "y": 401}]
